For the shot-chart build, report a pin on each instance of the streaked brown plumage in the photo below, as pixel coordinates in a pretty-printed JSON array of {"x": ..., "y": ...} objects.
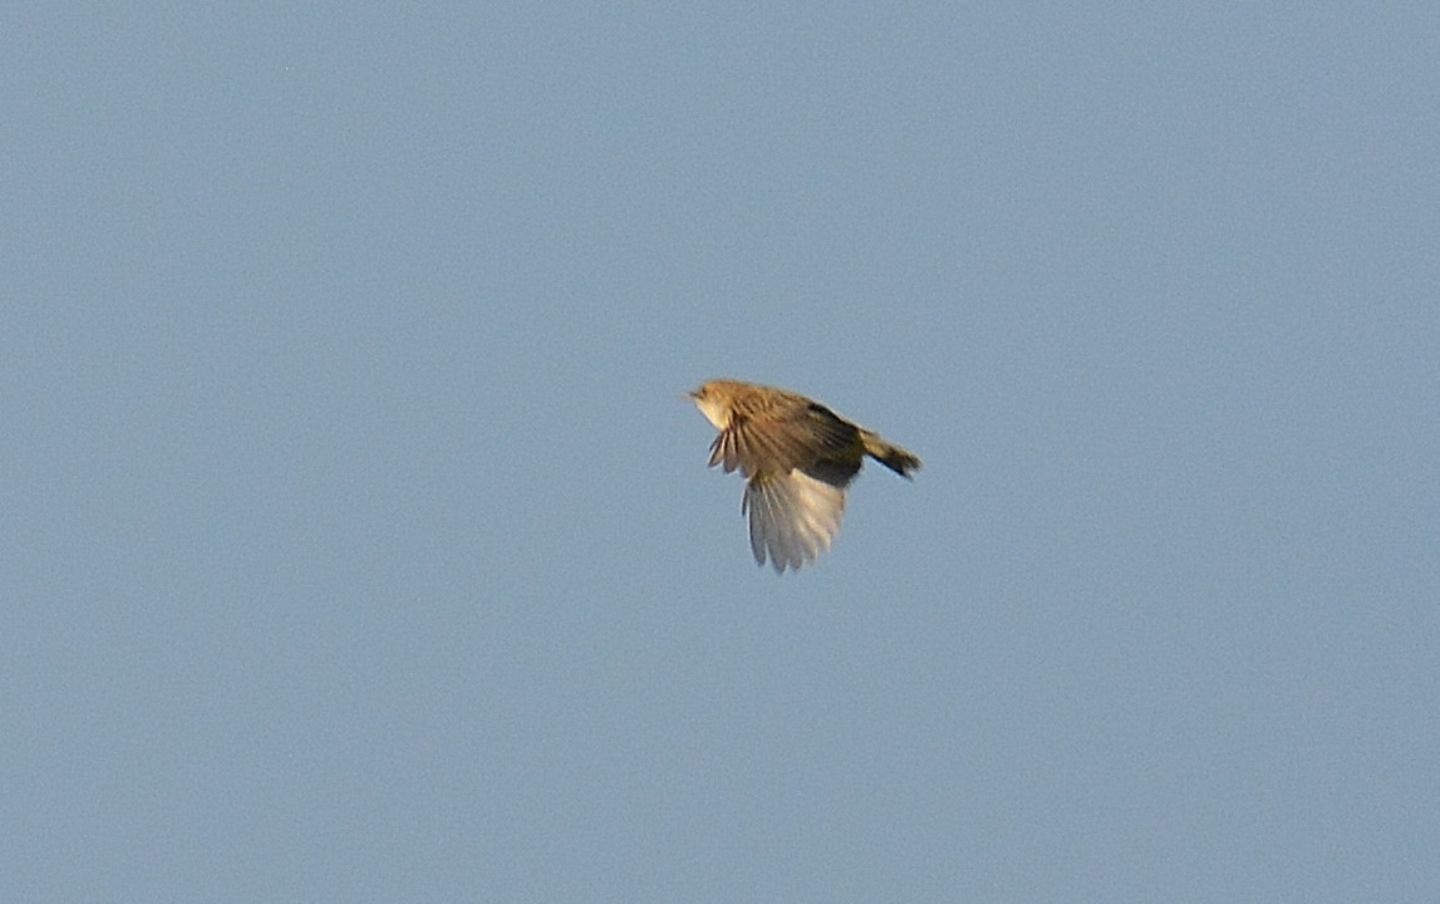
[{"x": 798, "y": 456}]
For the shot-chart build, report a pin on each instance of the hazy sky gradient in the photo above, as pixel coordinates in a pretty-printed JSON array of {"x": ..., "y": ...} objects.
[{"x": 360, "y": 546}]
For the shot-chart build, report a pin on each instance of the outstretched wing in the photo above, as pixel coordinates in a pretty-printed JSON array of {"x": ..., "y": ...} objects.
[
  {"x": 787, "y": 434},
  {"x": 793, "y": 517}
]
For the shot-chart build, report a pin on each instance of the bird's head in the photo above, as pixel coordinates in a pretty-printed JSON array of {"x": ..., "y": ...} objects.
[{"x": 713, "y": 402}]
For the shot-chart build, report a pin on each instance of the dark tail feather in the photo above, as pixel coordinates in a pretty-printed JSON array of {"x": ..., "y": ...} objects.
[{"x": 889, "y": 454}]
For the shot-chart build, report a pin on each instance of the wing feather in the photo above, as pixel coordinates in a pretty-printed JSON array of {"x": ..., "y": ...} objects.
[
  {"x": 793, "y": 518},
  {"x": 785, "y": 437}
]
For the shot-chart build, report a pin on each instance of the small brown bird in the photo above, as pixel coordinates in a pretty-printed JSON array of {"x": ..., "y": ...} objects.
[{"x": 799, "y": 457}]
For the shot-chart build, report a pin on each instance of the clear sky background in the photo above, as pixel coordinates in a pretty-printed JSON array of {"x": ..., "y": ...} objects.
[{"x": 358, "y": 545}]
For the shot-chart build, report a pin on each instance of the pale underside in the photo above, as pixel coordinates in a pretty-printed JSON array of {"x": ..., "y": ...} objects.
[{"x": 793, "y": 518}]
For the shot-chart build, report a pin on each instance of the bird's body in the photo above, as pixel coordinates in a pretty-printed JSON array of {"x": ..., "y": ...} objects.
[{"x": 798, "y": 457}]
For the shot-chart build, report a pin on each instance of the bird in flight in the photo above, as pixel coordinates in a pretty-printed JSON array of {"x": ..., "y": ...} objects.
[{"x": 798, "y": 457}]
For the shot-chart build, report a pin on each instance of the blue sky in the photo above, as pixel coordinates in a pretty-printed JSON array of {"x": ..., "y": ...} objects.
[{"x": 361, "y": 548}]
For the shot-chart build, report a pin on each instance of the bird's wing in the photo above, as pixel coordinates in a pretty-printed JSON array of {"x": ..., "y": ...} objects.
[
  {"x": 794, "y": 433},
  {"x": 793, "y": 517}
]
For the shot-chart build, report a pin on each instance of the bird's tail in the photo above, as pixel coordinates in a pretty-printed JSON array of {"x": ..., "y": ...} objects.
[{"x": 888, "y": 454}]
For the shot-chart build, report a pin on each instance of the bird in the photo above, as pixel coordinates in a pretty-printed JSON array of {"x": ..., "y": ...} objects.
[{"x": 798, "y": 458}]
